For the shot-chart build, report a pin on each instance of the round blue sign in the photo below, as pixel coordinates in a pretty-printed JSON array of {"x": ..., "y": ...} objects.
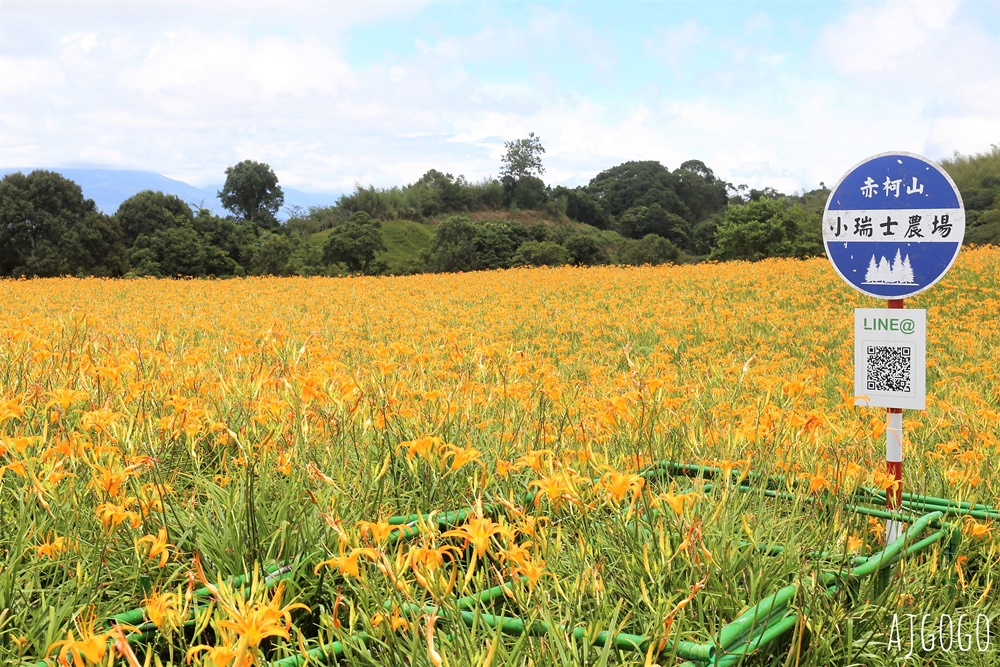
[{"x": 893, "y": 225}]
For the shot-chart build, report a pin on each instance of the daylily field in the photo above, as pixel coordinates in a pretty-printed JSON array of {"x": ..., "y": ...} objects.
[{"x": 160, "y": 437}]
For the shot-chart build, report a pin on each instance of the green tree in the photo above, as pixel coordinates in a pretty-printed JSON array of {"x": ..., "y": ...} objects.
[
  {"x": 236, "y": 241},
  {"x": 969, "y": 171},
  {"x": 459, "y": 244},
  {"x": 987, "y": 231},
  {"x": 650, "y": 249},
  {"x": 252, "y": 193},
  {"x": 520, "y": 173},
  {"x": 366, "y": 200},
  {"x": 453, "y": 247},
  {"x": 165, "y": 238},
  {"x": 48, "y": 228},
  {"x": 522, "y": 159},
  {"x": 149, "y": 211},
  {"x": 703, "y": 236},
  {"x": 654, "y": 219},
  {"x": 170, "y": 252},
  {"x": 762, "y": 228},
  {"x": 305, "y": 222},
  {"x": 541, "y": 253},
  {"x": 634, "y": 184},
  {"x": 355, "y": 243},
  {"x": 486, "y": 194},
  {"x": 582, "y": 206},
  {"x": 495, "y": 245},
  {"x": 529, "y": 193},
  {"x": 445, "y": 193},
  {"x": 93, "y": 247},
  {"x": 584, "y": 249},
  {"x": 978, "y": 179},
  {"x": 272, "y": 255},
  {"x": 538, "y": 231},
  {"x": 700, "y": 190},
  {"x": 307, "y": 258}
]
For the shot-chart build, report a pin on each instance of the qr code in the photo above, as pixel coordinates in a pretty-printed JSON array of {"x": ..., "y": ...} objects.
[{"x": 889, "y": 368}]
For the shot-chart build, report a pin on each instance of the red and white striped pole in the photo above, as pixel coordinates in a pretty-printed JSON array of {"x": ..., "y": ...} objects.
[{"x": 894, "y": 462}]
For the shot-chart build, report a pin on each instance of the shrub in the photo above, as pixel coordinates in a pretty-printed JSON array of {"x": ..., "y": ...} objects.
[{"x": 541, "y": 253}]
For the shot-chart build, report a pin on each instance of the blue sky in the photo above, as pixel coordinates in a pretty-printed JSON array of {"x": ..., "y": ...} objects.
[{"x": 780, "y": 94}]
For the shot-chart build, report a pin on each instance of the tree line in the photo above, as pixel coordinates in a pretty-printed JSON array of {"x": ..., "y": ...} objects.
[{"x": 638, "y": 212}]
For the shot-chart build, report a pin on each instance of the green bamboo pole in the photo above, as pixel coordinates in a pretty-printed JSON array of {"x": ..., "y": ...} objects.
[
  {"x": 515, "y": 626},
  {"x": 745, "y": 623},
  {"x": 892, "y": 553},
  {"x": 770, "y": 633},
  {"x": 490, "y": 594},
  {"x": 317, "y": 654}
]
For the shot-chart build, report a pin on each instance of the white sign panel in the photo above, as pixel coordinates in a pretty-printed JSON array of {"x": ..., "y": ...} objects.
[{"x": 890, "y": 358}]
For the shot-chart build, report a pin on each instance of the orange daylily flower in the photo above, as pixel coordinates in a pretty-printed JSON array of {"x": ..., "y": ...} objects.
[
  {"x": 89, "y": 649},
  {"x": 429, "y": 558},
  {"x": 112, "y": 515},
  {"x": 530, "y": 569},
  {"x": 559, "y": 487},
  {"x": 254, "y": 621},
  {"x": 65, "y": 397},
  {"x": 53, "y": 546},
  {"x": 884, "y": 480},
  {"x": 677, "y": 502},
  {"x": 247, "y": 621},
  {"x": 165, "y": 610},
  {"x": 977, "y": 530},
  {"x": 158, "y": 546},
  {"x": 395, "y": 621},
  {"x": 379, "y": 531},
  {"x": 223, "y": 654},
  {"x": 818, "y": 483},
  {"x": 422, "y": 447},
  {"x": 478, "y": 531},
  {"x": 460, "y": 456},
  {"x": 347, "y": 563},
  {"x": 618, "y": 485}
]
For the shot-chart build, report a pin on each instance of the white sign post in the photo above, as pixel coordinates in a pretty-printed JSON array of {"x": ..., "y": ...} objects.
[
  {"x": 892, "y": 227},
  {"x": 890, "y": 365}
]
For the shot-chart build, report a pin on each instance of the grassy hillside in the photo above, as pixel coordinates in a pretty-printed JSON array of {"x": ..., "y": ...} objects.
[{"x": 405, "y": 240}]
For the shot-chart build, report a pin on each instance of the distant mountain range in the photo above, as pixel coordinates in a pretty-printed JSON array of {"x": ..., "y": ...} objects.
[{"x": 110, "y": 187}]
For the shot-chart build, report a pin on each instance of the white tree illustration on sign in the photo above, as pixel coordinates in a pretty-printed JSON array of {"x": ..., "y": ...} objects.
[{"x": 882, "y": 273}]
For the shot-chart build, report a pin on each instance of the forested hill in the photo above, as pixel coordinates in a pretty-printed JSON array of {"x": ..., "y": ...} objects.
[{"x": 637, "y": 212}]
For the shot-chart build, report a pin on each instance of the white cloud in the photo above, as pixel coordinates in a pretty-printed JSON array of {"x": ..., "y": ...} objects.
[
  {"x": 965, "y": 134},
  {"x": 445, "y": 48},
  {"x": 191, "y": 70},
  {"x": 886, "y": 38},
  {"x": 397, "y": 74},
  {"x": 929, "y": 72},
  {"x": 21, "y": 75},
  {"x": 675, "y": 46},
  {"x": 85, "y": 41},
  {"x": 140, "y": 85},
  {"x": 758, "y": 22}
]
